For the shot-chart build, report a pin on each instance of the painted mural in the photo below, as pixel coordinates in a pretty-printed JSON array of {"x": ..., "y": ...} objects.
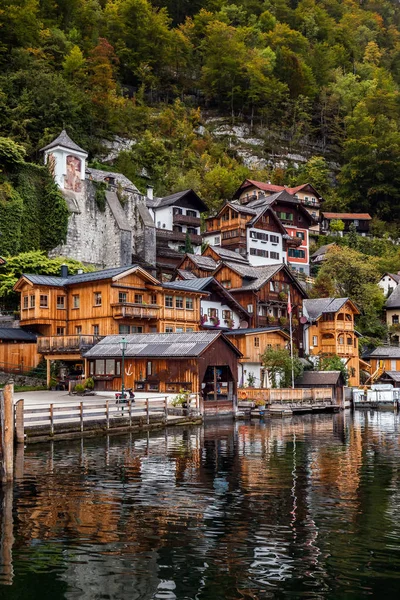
[{"x": 73, "y": 177}]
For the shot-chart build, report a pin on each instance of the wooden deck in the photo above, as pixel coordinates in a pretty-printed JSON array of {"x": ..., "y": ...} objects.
[{"x": 286, "y": 401}]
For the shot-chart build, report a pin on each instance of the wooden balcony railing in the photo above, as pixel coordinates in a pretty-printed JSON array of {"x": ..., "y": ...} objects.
[
  {"x": 125, "y": 310},
  {"x": 337, "y": 326},
  {"x": 187, "y": 220},
  {"x": 178, "y": 236},
  {"x": 64, "y": 344}
]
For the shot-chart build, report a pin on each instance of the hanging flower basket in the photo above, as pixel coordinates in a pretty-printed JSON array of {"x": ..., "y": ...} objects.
[
  {"x": 214, "y": 321},
  {"x": 203, "y": 319}
]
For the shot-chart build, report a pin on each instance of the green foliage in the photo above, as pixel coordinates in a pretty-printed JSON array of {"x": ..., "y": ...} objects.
[
  {"x": 89, "y": 383},
  {"x": 11, "y": 154},
  {"x": 336, "y": 225},
  {"x": 333, "y": 363},
  {"x": 181, "y": 398},
  {"x": 79, "y": 388},
  {"x": 279, "y": 365},
  {"x": 100, "y": 196},
  {"x": 188, "y": 244},
  {"x": 11, "y": 209}
]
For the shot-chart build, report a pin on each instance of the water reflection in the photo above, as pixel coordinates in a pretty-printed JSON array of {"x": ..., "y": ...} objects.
[{"x": 305, "y": 507}]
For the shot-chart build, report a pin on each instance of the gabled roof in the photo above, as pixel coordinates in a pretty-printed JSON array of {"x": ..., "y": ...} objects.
[
  {"x": 261, "y": 212},
  {"x": 189, "y": 195},
  {"x": 347, "y": 216},
  {"x": 269, "y": 187},
  {"x": 186, "y": 274},
  {"x": 225, "y": 254},
  {"x": 65, "y": 141},
  {"x": 255, "y": 277},
  {"x": 158, "y": 345},
  {"x": 322, "y": 251},
  {"x": 315, "y": 308},
  {"x": 311, "y": 378},
  {"x": 16, "y": 335},
  {"x": 385, "y": 352},
  {"x": 394, "y": 299},
  {"x": 394, "y": 276},
  {"x": 282, "y": 196},
  {"x": 114, "y": 274},
  {"x": 206, "y": 263},
  {"x": 236, "y": 332},
  {"x": 395, "y": 375},
  {"x": 207, "y": 284}
]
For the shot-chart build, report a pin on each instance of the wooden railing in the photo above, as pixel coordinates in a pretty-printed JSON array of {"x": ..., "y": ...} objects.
[
  {"x": 66, "y": 343},
  {"x": 285, "y": 395},
  {"x": 139, "y": 311},
  {"x": 187, "y": 220},
  {"x": 336, "y": 326}
]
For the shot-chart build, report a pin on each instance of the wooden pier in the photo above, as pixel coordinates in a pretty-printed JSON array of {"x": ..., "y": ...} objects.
[{"x": 286, "y": 401}]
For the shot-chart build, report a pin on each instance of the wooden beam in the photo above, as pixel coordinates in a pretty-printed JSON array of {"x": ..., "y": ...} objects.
[
  {"x": 48, "y": 371},
  {"x": 7, "y": 429}
]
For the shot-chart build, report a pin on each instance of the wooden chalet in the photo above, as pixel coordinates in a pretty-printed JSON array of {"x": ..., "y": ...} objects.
[
  {"x": 330, "y": 330},
  {"x": 71, "y": 313},
  {"x": 199, "y": 362},
  {"x": 252, "y": 343},
  {"x": 197, "y": 265},
  {"x": 263, "y": 292},
  {"x": 385, "y": 358},
  {"x": 324, "y": 379},
  {"x": 18, "y": 350}
]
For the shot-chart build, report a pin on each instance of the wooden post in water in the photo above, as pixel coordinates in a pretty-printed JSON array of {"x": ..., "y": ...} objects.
[
  {"x": 19, "y": 422},
  {"x": 7, "y": 535},
  {"x": 7, "y": 431}
]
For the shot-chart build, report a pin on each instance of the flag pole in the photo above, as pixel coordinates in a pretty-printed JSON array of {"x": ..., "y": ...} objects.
[{"x": 291, "y": 335}]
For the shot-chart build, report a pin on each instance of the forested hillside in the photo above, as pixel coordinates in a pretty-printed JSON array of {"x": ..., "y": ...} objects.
[{"x": 320, "y": 74}]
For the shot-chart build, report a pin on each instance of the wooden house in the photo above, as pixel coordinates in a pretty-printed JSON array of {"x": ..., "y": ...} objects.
[
  {"x": 200, "y": 362},
  {"x": 198, "y": 265},
  {"x": 263, "y": 292},
  {"x": 390, "y": 377},
  {"x": 385, "y": 358},
  {"x": 71, "y": 313},
  {"x": 324, "y": 379},
  {"x": 252, "y": 343},
  {"x": 330, "y": 330},
  {"x": 18, "y": 350},
  {"x": 361, "y": 222}
]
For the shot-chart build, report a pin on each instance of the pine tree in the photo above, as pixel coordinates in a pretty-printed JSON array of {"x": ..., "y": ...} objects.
[{"x": 188, "y": 244}]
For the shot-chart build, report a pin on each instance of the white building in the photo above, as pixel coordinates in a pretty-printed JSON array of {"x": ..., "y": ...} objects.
[
  {"x": 67, "y": 162},
  {"x": 388, "y": 282}
]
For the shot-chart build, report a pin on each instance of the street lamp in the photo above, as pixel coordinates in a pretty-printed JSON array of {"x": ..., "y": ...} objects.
[{"x": 123, "y": 345}]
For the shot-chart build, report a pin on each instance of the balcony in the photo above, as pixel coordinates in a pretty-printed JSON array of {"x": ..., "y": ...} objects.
[
  {"x": 336, "y": 326},
  {"x": 66, "y": 344},
  {"x": 186, "y": 220},
  {"x": 293, "y": 241},
  {"x": 311, "y": 203},
  {"x": 178, "y": 236},
  {"x": 126, "y": 310}
]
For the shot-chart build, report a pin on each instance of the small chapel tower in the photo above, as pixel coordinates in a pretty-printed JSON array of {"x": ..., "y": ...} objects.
[{"x": 67, "y": 161}]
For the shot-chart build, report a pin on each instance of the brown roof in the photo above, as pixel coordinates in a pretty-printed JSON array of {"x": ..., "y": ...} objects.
[
  {"x": 311, "y": 378},
  {"x": 345, "y": 216}
]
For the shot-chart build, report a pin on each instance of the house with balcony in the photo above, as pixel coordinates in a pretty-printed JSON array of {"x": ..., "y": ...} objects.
[
  {"x": 251, "y": 190},
  {"x": 71, "y": 313},
  {"x": 392, "y": 315},
  {"x": 361, "y": 222},
  {"x": 175, "y": 216},
  {"x": 218, "y": 308},
  {"x": 329, "y": 330}
]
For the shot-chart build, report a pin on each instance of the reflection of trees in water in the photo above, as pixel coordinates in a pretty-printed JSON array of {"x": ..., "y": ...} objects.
[{"x": 226, "y": 510}]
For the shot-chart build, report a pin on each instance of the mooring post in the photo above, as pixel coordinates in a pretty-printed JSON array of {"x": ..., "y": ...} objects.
[
  {"x": 7, "y": 534},
  {"x": 19, "y": 421},
  {"x": 7, "y": 428}
]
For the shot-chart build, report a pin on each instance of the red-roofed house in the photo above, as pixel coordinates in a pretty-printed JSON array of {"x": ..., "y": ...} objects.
[
  {"x": 360, "y": 220},
  {"x": 306, "y": 193}
]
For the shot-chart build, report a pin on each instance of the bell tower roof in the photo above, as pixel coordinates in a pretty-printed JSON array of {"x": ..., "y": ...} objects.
[{"x": 64, "y": 141}]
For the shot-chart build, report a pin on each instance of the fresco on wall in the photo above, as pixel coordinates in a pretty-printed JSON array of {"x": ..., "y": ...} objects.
[{"x": 72, "y": 179}]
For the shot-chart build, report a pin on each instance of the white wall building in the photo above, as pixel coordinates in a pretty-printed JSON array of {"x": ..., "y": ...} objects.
[
  {"x": 388, "y": 282},
  {"x": 264, "y": 247}
]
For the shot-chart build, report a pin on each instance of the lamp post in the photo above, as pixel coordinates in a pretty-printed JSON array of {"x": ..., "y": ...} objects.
[{"x": 123, "y": 346}]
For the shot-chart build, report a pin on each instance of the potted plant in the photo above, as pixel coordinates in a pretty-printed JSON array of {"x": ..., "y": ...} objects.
[
  {"x": 271, "y": 319},
  {"x": 251, "y": 380},
  {"x": 215, "y": 321},
  {"x": 203, "y": 319},
  {"x": 229, "y": 323},
  {"x": 261, "y": 405},
  {"x": 182, "y": 400},
  {"x": 282, "y": 296},
  {"x": 283, "y": 321}
]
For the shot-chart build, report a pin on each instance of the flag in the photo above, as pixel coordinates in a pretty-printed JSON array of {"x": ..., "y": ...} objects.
[{"x": 289, "y": 304}]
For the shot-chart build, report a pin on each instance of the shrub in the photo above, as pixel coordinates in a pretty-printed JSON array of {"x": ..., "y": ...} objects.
[
  {"x": 89, "y": 383},
  {"x": 79, "y": 388},
  {"x": 182, "y": 398}
]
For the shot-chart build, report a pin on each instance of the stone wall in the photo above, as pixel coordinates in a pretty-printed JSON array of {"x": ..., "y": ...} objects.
[
  {"x": 21, "y": 380},
  {"x": 110, "y": 238}
]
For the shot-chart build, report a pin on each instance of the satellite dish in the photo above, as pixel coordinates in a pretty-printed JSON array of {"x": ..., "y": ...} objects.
[
  {"x": 303, "y": 320},
  {"x": 243, "y": 325}
]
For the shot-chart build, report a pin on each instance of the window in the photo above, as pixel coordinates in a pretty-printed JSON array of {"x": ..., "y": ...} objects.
[
  {"x": 258, "y": 235},
  {"x": 44, "y": 301},
  {"x": 294, "y": 253},
  {"x": 136, "y": 329},
  {"x": 226, "y": 283},
  {"x": 192, "y": 230},
  {"x": 191, "y": 213},
  {"x": 189, "y": 329},
  {"x": 212, "y": 312},
  {"x": 153, "y": 299},
  {"x": 274, "y": 255},
  {"x": 60, "y": 331},
  {"x": 100, "y": 367},
  {"x": 395, "y": 320},
  {"x": 285, "y": 216},
  {"x": 25, "y": 302},
  {"x": 122, "y": 296},
  {"x": 225, "y": 216},
  {"x": 123, "y": 329},
  {"x": 257, "y": 252},
  {"x": 274, "y": 239},
  {"x": 227, "y": 314},
  {"x": 179, "y": 302},
  {"x": 97, "y": 298},
  {"x": 177, "y": 211},
  {"x": 138, "y": 298},
  {"x": 341, "y": 340},
  {"x": 393, "y": 365},
  {"x": 349, "y": 341},
  {"x": 315, "y": 340},
  {"x": 189, "y": 303},
  {"x": 169, "y": 329},
  {"x": 271, "y": 286},
  {"x": 179, "y": 330},
  {"x": 149, "y": 367},
  {"x": 61, "y": 302},
  {"x": 217, "y": 240},
  {"x": 249, "y": 308},
  {"x": 75, "y": 301},
  {"x": 32, "y": 298},
  {"x": 78, "y": 329},
  {"x": 256, "y": 342},
  {"x": 300, "y": 234},
  {"x": 110, "y": 366},
  {"x": 96, "y": 330},
  {"x": 169, "y": 301}
]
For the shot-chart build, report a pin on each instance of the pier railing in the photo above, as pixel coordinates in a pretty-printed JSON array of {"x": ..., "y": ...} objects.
[{"x": 286, "y": 395}]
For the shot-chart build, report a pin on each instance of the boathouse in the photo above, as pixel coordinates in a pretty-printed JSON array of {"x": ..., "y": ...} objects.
[
  {"x": 324, "y": 379},
  {"x": 202, "y": 362}
]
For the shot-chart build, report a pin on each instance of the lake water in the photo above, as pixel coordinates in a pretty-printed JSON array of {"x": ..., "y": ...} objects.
[{"x": 306, "y": 507}]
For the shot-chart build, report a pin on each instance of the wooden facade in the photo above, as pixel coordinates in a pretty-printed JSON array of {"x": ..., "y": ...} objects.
[
  {"x": 18, "y": 356},
  {"x": 333, "y": 333}
]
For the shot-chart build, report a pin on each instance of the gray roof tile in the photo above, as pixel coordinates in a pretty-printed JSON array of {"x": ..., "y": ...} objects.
[
  {"x": 100, "y": 176},
  {"x": 74, "y": 279},
  {"x": 394, "y": 299},
  {"x": 157, "y": 345},
  {"x": 226, "y": 254},
  {"x": 316, "y": 307},
  {"x": 311, "y": 378},
  {"x": 63, "y": 140},
  {"x": 16, "y": 334},
  {"x": 386, "y": 352}
]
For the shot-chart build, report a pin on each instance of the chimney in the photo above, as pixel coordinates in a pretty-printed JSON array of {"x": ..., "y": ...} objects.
[
  {"x": 150, "y": 192},
  {"x": 64, "y": 271}
]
